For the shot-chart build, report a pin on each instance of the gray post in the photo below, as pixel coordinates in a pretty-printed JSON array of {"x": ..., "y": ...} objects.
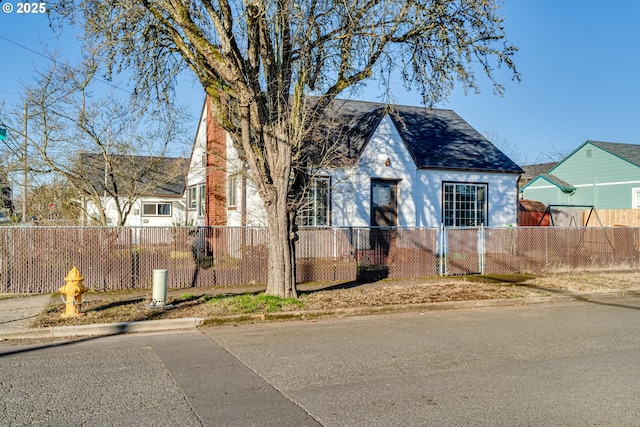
[{"x": 159, "y": 298}]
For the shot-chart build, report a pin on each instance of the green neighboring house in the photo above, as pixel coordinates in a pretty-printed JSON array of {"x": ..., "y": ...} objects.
[{"x": 605, "y": 175}]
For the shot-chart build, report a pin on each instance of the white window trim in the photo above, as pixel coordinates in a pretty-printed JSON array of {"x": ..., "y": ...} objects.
[
  {"x": 201, "y": 200},
  {"x": 455, "y": 217},
  {"x": 156, "y": 204},
  {"x": 314, "y": 209},
  {"x": 232, "y": 191},
  {"x": 192, "y": 198},
  {"x": 635, "y": 198}
]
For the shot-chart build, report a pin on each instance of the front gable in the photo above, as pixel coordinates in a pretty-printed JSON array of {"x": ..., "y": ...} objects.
[
  {"x": 198, "y": 161},
  {"x": 386, "y": 154},
  {"x": 195, "y": 193},
  {"x": 384, "y": 157}
]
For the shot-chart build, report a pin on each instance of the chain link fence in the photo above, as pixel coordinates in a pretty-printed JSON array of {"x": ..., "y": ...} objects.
[
  {"x": 37, "y": 259},
  {"x": 538, "y": 249}
]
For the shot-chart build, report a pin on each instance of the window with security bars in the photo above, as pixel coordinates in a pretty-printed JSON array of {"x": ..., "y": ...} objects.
[
  {"x": 465, "y": 205},
  {"x": 315, "y": 210}
]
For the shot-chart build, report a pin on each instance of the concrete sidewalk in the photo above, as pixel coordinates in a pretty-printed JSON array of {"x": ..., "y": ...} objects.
[{"x": 17, "y": 312}]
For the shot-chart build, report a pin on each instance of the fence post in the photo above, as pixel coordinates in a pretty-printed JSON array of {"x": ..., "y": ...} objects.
[
  {"x": 546, "y": 248},
  {"x": 441, "y": 252},
  {"x": 335, "y": 252},
  {"x": 481, "y": 247}
]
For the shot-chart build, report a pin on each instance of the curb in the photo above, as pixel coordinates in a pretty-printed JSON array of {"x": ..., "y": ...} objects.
[
  {"x": 372, "y": 311},
  {"x": 101, "y": 329},
  {"x": 104, "y": 329}
]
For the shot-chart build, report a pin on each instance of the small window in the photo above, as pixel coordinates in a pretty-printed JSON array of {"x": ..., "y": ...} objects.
[
  {"x": 193, "y": 198},
  {"x": 232, "y": 191},
  {"x": 156, "y": 209},
  {"x": 202, "y": 200},
  {"x": 635, "y": 198},
  {"x": 203, "y": 159}
]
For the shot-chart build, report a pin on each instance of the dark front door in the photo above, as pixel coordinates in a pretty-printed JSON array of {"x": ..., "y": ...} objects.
[
  {"x": 384, "y": 215},
  {"x": 384, "y": 207}
]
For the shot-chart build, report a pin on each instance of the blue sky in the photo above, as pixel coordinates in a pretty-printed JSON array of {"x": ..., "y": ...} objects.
[{"x": 578, "y": 60}]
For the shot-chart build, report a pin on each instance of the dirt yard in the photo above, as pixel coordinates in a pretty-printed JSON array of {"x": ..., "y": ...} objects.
[{"x": 318, "y": 298}]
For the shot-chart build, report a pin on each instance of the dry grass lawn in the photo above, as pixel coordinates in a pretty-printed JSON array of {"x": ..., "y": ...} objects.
[{"x": 215, "y": 302}]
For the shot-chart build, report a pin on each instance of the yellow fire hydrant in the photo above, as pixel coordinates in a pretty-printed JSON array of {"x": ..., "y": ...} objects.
[{"x": 73, "y": 290}]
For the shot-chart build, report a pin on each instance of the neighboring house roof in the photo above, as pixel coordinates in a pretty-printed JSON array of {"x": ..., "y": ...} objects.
[
  {"x": 554, "y": 180},
  {"x": 532, "y": 171},
  {"x": 154, "y": 176},
  {"x": 628, "y": 152},
  {"x": 436, "y": 138},
  {"x": 525, "y": 205},
  {"x": 563, "y": 185}
]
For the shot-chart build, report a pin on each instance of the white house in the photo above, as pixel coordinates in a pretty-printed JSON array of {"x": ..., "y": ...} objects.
[
  {"x": 152, "y": 189},
  {"x": 399, "y": 166}
]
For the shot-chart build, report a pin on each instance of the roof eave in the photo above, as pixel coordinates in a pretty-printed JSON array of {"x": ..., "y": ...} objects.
[{"x": 475, "y": 170}]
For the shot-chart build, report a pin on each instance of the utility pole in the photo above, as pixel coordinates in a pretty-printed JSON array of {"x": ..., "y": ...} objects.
[
  {"x": 5, "y": 189},
  {"x": 25, "y": 166}
]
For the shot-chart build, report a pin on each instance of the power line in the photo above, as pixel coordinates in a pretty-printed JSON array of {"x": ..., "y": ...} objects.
[
  {"x": 128, "y": 92},
  {"x": 55, "y": 62},
  {"x": 26, "y": 48}
]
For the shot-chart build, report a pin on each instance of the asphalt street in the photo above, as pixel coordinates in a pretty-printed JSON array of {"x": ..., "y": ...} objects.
[{"x": 562, "y": 364}]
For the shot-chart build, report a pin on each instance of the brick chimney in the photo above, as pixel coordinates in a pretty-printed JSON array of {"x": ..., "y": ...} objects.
[{"x": 216, "y": 176}]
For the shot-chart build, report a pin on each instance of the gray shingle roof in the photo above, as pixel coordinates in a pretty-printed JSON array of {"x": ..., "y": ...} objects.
[
  {"x": 155, "y": 176},
  {"x": 629, "y": 152},
  {"x": 436, "y": 138},
  {"x": 563, "y": 185},
  {"x": 532, "y": 171}
]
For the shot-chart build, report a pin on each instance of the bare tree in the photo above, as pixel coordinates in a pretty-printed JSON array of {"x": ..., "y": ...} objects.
[
  {"x": 260, "y": 60},
  {"x": 104, "y": 149},
  {"x": 512, "y": 150},
  {"x": 55, "y": 203},
  {"x": 6, "y": 197},
  {"x": 17, "y": 160}
]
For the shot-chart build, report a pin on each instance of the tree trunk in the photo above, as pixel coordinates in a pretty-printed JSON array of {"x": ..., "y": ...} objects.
[
  {"x": 271, "y": 173},
  {"x": 281, "y": 275}
]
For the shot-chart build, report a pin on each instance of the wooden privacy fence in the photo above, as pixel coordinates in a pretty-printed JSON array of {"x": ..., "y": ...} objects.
[
  {"x": 36, "y": 259},
  {"x": 615, "y": 217}
]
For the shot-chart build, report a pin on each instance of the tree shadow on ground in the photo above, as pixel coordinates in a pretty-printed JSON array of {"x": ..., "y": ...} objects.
[
  {"x": 590, "y": 298},
  {"x": 336, "y": 287}
]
